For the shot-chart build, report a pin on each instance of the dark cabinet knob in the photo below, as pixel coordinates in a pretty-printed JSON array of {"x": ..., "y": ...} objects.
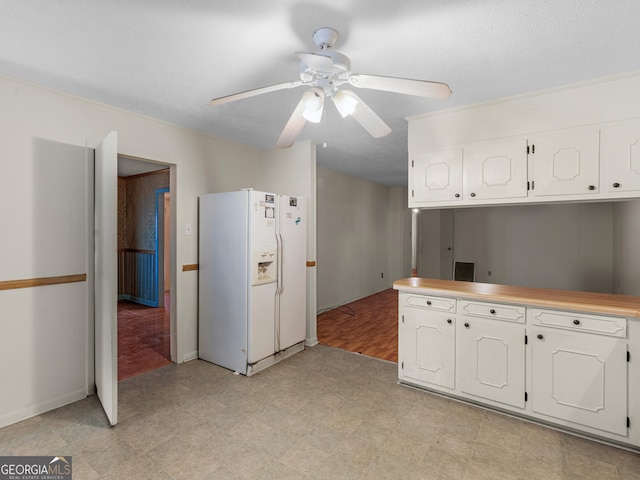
[
  {"x": 616, "y": 185},
  {"x": 428, "y": 302},
  {"x": 576, "y": 322},
  {"x": 473, "y": 194},
  {"x": 540, "y": 336},
  {"x": 592, "y": 187},
  {"x": 457, "y": 195},
  {"x": 492, "y": 311},
  {"x": 449, "y": 321},
  {"x": 466, "y": 324}
]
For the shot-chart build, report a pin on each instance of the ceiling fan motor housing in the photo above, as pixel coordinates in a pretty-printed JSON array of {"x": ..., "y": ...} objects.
[{"x": 325, "y": 37}]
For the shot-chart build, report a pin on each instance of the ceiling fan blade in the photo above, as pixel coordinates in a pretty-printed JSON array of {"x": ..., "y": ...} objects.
[
  {"x": 254, "y": 92},
  {"x": 317, "y": 61},
  {"x": 407, "y": 86},
  {"x": 293, "y": 127},
  {"x": 367, "y": 118}
]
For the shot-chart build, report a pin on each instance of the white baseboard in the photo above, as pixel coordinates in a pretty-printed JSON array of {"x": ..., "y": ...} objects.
[
  {"x": 34, "y": 410},
  {"x": 190, "y": 356}
]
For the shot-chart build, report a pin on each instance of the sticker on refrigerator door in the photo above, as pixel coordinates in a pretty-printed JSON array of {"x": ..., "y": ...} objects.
[
  {"x": 269, "y": 198},
  {"x": 298, "y": 220},
  {"x": 293, "y": 202}
]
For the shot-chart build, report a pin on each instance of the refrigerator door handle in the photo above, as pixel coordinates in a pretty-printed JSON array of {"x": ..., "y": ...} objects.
[{"x": 280, "y": 288}]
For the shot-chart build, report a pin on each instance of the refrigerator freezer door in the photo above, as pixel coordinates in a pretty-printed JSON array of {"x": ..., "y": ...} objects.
[
  {"x": 224, "y": 279},
  {"x": 262, "y": 323},
  {"x": 292, "y": 223}
]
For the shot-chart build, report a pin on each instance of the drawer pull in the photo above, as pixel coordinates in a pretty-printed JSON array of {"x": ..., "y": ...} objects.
[
  {"x": 466, "y": 324},
  {"x": 616, "y": 185},
  {"x": 540, "y": 337},
  {"x": 473, "y": 194},
  {"x": 428, "y": 302},
  {"x": 457, "y": 195},
  {"x": 592, "y": 187},
  {"x": 492, "y": 311},
  {"x": 449, "y": 321},
  {"x": 576, "y": 322}
]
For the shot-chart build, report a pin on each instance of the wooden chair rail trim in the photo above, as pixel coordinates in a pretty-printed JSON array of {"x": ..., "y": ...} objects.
[{"x": 41, "y": 282}]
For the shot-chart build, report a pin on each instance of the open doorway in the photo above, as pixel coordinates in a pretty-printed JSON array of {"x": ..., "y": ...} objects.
[{"x": 144, "y": 280}]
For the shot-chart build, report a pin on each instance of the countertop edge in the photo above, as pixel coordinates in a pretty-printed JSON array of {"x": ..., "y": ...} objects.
[{"x": 587, "y": 302}]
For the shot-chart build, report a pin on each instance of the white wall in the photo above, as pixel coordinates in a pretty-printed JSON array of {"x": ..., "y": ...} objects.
[
  {"x": 34, "y": 118},
  {"x": 626, "y": 267},
  {"x": 282, "y": 173},
  {"x": 361, "y": 236},
  {"x": 399, "y": 231}
]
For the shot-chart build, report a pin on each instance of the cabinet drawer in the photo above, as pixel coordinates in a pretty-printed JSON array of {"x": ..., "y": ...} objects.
[
  {"x": 441, "y": 304},
  {"x": 580, "y": 322},
  {"x": 498, "y": 311}
]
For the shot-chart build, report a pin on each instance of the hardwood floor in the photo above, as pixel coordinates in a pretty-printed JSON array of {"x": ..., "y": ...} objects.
[
  {"x": 143, "y": 338},
  {"x": 368, "y": 326}
]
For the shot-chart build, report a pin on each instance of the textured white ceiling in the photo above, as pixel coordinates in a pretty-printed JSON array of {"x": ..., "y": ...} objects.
[{"x": 167, "y": 59}]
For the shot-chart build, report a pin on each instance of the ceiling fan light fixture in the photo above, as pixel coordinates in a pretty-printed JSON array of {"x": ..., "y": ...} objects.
[
  {"x": 313, "y": 116},
  {"x": 345, "y": 103},
  {"x": 313, "y": 101}
]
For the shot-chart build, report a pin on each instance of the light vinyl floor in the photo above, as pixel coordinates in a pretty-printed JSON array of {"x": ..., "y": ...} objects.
[{"x": 322, "y": 414}]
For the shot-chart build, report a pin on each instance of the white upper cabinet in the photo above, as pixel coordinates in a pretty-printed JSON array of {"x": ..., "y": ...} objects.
[
  {"x": 565, "y": 162},
  {"x": 496, "y": 169},
  {"x": 620, "y": 156},
  {"x": 436, "y": 175}
]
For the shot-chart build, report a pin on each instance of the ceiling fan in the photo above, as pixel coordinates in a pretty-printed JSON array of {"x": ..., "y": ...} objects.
[{"x": 324, "y": 71}]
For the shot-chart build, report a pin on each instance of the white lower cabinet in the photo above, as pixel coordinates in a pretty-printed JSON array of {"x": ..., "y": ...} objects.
[
  {"x": 426, "y": 353},
  {"x": 491, "y": 360},
  {"x": 580, "y": 378},
  {"x": 560, "y": 367}
]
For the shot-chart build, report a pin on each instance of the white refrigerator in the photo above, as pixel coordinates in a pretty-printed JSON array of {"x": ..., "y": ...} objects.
[{"x": 252, "y": 278}]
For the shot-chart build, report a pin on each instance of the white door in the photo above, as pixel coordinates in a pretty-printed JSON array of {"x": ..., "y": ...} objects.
[
  {"x": 620, "y": 156},
  {"x": 565, "y": 162},
  {"x": 427, "y": 347},
  {"x": 436, "y": 175},
  {"x": 106, "y": 275},
  {"x": 496, "y": 169},
  {"x": 580, "y": 378},
  {"x": 491, "y": 364}
]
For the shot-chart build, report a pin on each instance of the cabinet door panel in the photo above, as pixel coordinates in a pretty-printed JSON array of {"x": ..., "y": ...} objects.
[
  {"x": 580, "y": 379},
  {"x": 491, "y": 361},
  {"x": 566, "y": 162},
  {"x": 620, "y": 156},
  {"x": 495, "y": 170},
  {"x": 427, "y": 347},
  {"x": 436, "y": 175}
]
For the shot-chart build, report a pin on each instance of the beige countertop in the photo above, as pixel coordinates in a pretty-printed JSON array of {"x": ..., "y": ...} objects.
[{"x": 606, "y": 303}]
